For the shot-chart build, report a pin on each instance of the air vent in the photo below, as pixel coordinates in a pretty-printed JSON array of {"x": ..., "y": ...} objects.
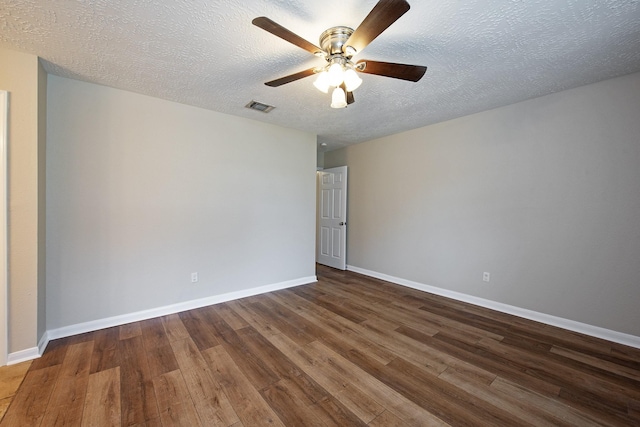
[{"x": 254, "y": 105}]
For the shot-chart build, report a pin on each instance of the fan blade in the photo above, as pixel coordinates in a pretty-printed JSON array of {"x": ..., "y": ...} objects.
[
  {"x": 412, "y": 73},
  {"x": 350, "y": 98},
  {"x": 278, "y": 30},
  {"x": 385, "y": 13},
  {"x": 291, "y": 78}
]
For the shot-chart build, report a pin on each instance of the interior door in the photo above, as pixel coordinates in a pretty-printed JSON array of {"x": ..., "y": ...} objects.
[{"x": 332, "y": 218}]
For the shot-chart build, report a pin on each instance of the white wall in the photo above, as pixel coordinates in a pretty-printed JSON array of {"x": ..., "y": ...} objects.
[
  {"x": 141, "y": 192},
  {"x": 543, "y": 194}
]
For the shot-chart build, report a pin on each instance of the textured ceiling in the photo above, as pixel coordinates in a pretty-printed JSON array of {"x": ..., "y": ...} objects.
[{"x": 480, "y": 54}]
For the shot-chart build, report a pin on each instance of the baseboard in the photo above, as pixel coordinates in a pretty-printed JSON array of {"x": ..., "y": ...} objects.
[
  {"x": 30, "y": 353},
  {"x": 109, "y": 322},
  {"x": 23, "y": 355},
  {"x": 583, "y": 328},
  {"x": 44, "y": 341}
]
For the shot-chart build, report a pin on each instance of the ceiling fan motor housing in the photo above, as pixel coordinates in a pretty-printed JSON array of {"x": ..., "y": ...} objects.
[{"x": 333, "y": 40}]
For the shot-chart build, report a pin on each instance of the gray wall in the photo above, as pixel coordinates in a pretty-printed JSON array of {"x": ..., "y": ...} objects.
[
  {"x": 543, "y": 194},
  {"x": 141, "y": 192}
]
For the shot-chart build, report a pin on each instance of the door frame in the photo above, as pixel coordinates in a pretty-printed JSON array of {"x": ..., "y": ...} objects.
[{"x": 4, "y": 288}]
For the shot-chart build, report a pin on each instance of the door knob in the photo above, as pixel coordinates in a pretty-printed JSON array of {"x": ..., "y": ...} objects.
[{"x": 342, "y": 223}]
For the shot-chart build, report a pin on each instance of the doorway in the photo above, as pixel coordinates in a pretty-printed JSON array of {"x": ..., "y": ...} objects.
[{"x": 331, "y": 236}]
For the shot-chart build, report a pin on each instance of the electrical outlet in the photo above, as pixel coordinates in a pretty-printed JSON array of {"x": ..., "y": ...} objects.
[
  {"x": 486, "y": 276},
  {"x": 194, "y": 277}
]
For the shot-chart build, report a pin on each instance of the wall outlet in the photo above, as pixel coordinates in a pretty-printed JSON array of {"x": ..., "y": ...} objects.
[
  {"x": 486, "y": 277},
  {"x": 194, "y": 277}
]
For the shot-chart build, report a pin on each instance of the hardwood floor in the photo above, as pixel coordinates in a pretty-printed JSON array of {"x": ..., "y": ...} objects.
[
  {"x": 10, "y": 379},
  {"x": 346, "y": 351}
]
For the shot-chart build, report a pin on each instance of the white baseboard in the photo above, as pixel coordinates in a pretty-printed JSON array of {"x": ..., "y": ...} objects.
[
  {"x": 583, "y": 328},
  {"x": 30, "y": 353},
  {"x": 23, "y": 355},
  {"x": 44, "y": 341},
  {"x": 95, "y": 325}
]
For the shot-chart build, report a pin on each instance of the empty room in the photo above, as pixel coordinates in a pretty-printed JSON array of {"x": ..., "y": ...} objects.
[{"x": 337, "y": 213}]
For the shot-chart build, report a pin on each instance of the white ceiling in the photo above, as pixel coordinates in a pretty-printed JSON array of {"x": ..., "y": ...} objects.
[{"x": 480, "y": 54}]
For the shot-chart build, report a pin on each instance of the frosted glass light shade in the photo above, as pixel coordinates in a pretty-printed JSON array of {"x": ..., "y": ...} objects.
[
  {"x": 338, "y": 98},
  {"x": 336, "y": 75},
  {"x": 351, "y": 80},
  {"x": 322, "y": 82}
]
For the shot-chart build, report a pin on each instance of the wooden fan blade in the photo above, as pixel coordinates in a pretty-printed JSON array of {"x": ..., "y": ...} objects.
[
  {"x": 350, "y": 98},
  {"x": 291, "y": 78},
  {"x": 412, "y": 73},
  {"x": 385, "y": 13},
  {"x": 278, "y": 30}
]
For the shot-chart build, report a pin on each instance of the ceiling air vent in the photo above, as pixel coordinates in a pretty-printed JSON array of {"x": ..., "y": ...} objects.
[{"x": 254, "y": 105}]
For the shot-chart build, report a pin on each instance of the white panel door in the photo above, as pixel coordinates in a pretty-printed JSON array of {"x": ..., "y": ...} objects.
[{"x": 332, "y": 217}]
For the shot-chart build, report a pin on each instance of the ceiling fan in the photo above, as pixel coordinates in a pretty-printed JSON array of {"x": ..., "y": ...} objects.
[{"x": 338, "y": 45}]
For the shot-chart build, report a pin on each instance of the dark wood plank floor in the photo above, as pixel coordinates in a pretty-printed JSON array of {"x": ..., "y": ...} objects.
[{"x": 346, "y": 351}]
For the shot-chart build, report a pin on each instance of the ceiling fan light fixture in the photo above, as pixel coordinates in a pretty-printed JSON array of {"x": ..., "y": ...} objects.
[
  {"x": 322, "y": 82},
  {"x": 338, "y": 98},
  {"x": 352, "y": 80},
  {"x": 336, "y": 74}
]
